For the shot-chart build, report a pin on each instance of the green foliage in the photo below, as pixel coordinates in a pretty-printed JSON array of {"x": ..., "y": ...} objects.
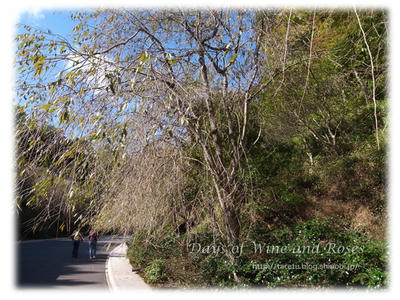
[
  {"x": 332, "y": 266},
  {"x": 137, "y": 254},
  {"x": 164, "y": 260},
  {"x": 49, "y": 202},
  {"x": 309, "y": 140},
  {"x": 343, "y": 258},
  {"x": 294, "y": 162},
  {"x": 155, "y": 271}
]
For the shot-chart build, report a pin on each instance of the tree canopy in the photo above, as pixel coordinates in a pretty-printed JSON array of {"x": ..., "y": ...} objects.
[{"x": 193, "y": 121}]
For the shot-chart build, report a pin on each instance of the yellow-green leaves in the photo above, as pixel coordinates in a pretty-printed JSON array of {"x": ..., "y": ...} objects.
[
  {"x": 38, "y": 64},
  {"x": 233, "y": 58},
  {"x": 81, "y": 92},
  {"x": 46, "y": 106},
  {"x": 52, "y": 90},
  {"x": 144, "y": 58},
  {"x": 49, "y": 107},
  {"x": 122, "y": 107},
  {"x": 63, "y": 117},
  {"x": 171, "y": 60}
]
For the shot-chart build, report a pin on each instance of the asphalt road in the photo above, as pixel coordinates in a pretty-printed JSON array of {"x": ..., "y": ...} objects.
[{"x": 49, "y": 264}]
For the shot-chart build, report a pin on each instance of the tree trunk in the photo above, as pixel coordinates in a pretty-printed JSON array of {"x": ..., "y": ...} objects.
[
  {"x": 232, "y": 223},
  {"x": 231, "y": 210}
]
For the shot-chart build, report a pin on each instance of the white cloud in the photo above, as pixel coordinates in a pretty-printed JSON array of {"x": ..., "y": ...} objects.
[
  {"x": 94, "y": 70},
  {"x": 33, "y": 16},
  {"x": 36, "y": 14}
]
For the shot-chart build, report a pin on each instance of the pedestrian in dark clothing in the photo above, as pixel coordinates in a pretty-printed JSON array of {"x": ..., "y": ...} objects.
[
  {"x": 76, "y": 238},
  {"x": 93, "y": 237}
]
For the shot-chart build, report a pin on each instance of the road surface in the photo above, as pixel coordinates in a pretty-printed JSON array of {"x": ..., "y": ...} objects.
[{"x": 49, "y": 264}]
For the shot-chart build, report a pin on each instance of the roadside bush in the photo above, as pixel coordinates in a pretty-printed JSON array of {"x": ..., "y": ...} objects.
[
  {"x": 164, "y": 261},
  {"x": 155, "y": 271},
  {"x": 344, "y": 257}
]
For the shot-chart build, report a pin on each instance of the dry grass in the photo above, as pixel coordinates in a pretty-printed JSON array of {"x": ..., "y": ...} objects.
[{"x": 362, "y": 218}]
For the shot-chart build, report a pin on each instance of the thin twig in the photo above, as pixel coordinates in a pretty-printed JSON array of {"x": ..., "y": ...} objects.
[
  {"x": 372, "y": 76},
  {"x": 309, "y": 62}
]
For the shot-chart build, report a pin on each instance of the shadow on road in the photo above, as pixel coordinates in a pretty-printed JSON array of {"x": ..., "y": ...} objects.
[{"x": 49, "y": 264}]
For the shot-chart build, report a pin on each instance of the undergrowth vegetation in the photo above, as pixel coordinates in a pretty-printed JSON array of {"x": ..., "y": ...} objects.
[
  {"x": 239, "y": 148},
  {"x": 319, "y": 252}
]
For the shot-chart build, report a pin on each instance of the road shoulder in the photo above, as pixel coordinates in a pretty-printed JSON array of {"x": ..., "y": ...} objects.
[{"x": 119, "y": 271}]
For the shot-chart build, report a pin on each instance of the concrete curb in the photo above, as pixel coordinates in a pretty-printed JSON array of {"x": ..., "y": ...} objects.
[
  {"x": 109, "y": 277},
  {"x": 119, "y": 273}
]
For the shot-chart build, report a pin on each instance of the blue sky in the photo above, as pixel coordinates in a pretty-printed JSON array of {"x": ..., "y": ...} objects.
[
  {"x": 58, "y": 21},
  {"x": 61, "y": 24}
]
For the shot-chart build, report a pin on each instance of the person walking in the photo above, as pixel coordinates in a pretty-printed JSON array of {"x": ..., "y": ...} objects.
[
  {"x": 76, "y": 238},
  {"x": 93, "y": 237}
]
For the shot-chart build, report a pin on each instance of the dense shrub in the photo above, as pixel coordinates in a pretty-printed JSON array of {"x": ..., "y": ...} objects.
[
  {"x": 155, "y": 271},
  {"x": 344, "y": 258},
  {"x": 365, "y": 266}
]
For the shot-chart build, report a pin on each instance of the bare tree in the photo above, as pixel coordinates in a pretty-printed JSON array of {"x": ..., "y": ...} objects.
[{"x": 149, "y": 74}]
